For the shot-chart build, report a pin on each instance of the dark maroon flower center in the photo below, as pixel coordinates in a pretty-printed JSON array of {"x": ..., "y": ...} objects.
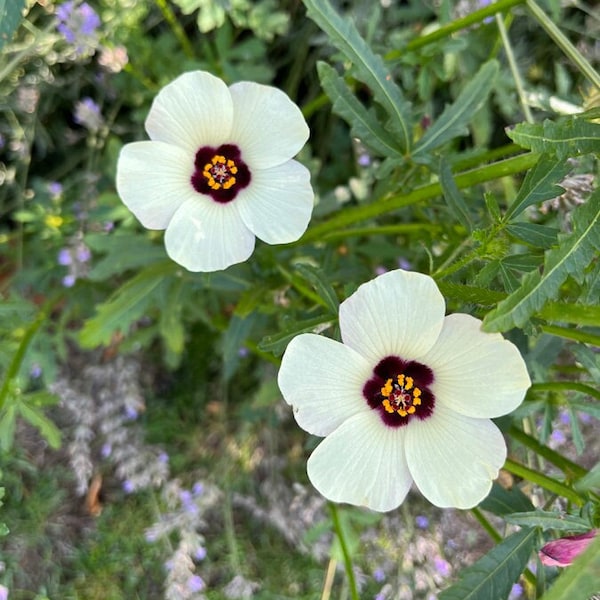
[
  {"x": 399, "y": 390},
  {"x": 220, "y": 172}
]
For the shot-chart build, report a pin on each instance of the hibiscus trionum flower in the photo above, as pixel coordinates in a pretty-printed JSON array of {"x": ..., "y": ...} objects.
[
  {"x": 407, "y": 397},
  {"x": 218, "y": 170}
]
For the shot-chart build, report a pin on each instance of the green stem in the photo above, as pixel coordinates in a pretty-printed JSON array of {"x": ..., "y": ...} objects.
[
  {"x": 177, "y": 29},
  {"x": 564, "y": 44},
  {"x": 570, "y": 469},
  {"x": 347, "y": 559},
  {"x": 341, "y": 220},
  {"x": 17, "y": 360},
  {"x": 559, "y": 386},
  {"x": 552, "y": 485},
  {"x": 446, "y": 30},
  {"x": 401, "y": 229},
  {"x": 572, "y": 334},
  {"x": 514, "y": 68}
]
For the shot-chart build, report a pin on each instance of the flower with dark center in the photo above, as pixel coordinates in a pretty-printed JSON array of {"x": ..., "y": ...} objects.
[
  {"x": 218, "y": 170},
  {"x": 407, "y": 397}
]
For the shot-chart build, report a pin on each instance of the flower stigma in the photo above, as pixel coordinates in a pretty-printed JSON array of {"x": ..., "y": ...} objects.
[{"x": 401, "y": 396}]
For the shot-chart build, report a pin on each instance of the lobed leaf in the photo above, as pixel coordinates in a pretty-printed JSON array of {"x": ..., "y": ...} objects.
[
  {"x": 501, "y": 501},
  {"x": 565, "y": 138},
  {"x": 539, "y": 236},
  {"x": 454, "y": 119},
  {"x": 453, "y": 197},
  {"x": 493, "y": 575},
  {"x": 11, "y": 13},
  {"x": 364, "y": 124},
  {"x": 370, "y": 68},
  {"x": 574, "y": 254},
  {"x": 549, "y": 520},
  {"x": 540, "y": 184}
]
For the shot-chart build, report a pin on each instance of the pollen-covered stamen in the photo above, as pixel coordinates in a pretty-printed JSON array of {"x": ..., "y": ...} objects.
[
  {"x": 220, "y": 172},
  {"x": 400, "y": 390},
  {"x": 400, "y": 395}
]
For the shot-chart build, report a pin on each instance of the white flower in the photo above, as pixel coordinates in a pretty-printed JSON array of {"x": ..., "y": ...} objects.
[
  {"x": 218, "y": 170},
  {"x": 407, "y": 396}
]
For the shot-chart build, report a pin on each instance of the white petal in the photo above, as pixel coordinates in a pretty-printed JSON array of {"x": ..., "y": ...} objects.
[
  {"x": 363, "y": 463},
  {"x": 398, "y": 313},
  {"x": 208, "y": 236},
  {"x": 192, "y": 111},
  {"x": 452, "y": 458},
  {"x": 153, "y": 180},
  {"x": 278, "y": 203},
  {"x": 322, "y": 380},
  {"x": 267, "y": 126},
  {"x": 477, "y": 374}
]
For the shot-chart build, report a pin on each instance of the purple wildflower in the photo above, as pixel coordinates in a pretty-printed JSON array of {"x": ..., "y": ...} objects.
[
  {"x": 87, "y": 114},
  {"x": 558, "y": 437},
  {"x": 200, "y": 553},
  {"x": 68, "y": 281},
  {"x": 128, "y": 486},
  {"x": 516, "y": 591},
  {"x": 3, "y": 592},
  {"x": 441, "y": 566},
  {"x": 197, "y": 488},
  {"x": 422, "y": 522},
  {"x": 64, "y": 257},
  {"x": 78, "y": 25},
  {"x": 131, "y": 413},
  {"x": 82, "y": 253},
  {"x": 34, "y": 372},
  {"x": 195, "y": 583},
  {"x": 55, "y": 189},
  {"x": 106, "y": 450},
  {"x": 379, "y": 575}
]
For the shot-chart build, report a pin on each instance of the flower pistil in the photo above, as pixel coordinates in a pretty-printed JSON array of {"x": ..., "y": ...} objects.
[
  {"x": 220, "y": 172},
  {"x": 401, "y": 396}
]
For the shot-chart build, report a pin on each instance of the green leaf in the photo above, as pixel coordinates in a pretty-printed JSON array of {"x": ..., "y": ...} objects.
[
  {"x": 321, "y": 284},
  {"x": 11, "y": 13},
  {"x": 589, "y": 481},
  {"x": 278, "y": 342},
  {"x": 370, "y": 68},
  {"x": 501, "y": 501},
  {"x": 8, "y": 417},
  {"x": 234, "y": 338},
  {"x": 170, "y": 324},
  {"x": 549, "y": 520},
  {"x": 580, "y": 580},
  {"x": 123, "y": 252},
  {"x": 540, "y": 184},
  {"x": 364, "y": 123},
  {"x": 574, "y": 254},
  {"x": 38, "y": 419},
  {"x": 564, "y": 139},
  {"x": 455, "y": 118},
  {"x": 493, "y": 575},
  {"x": 124, "y": 307},
  {"x": 536, "y": 235},
  {"x": 453, "y": 197}
]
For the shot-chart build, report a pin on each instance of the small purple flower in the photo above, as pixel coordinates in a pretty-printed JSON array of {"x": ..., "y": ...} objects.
[
  {"x": 516, "y": 591},
  {"x": 404, "y": 264},
  {"x": 198, "y": 489},
  {"x": 441, "y": 566},
  {"x": 380, "y": 270},
  {"x": 128, "y": 486},
  {"x": 565, "y": 417},
  {"x": 87, "y": 114},
  {"x": 106, "y": 450},
  {"x": 131, "y": 413},
  {"x": 108, "y": 226},
  {"x": 379, "y": 575},
  {"x": 195, "y": 583},
  {"x": 200, "y": 553},
  {"x": 421, "y": 522},
  {"x": 3, "y": 592},
  {"x": 82, "y": 253},
  {"x": 380, "y": 596},
  {"x": 558, "y": 437},
  {"x": 364, "y": 160},
  {"x": 151, "y": 536},
  {"x": 64, "y": 257},
  {"x": 163, "y": 458},
  {"x": 34, "y": 373},
  {"x": 78, "y": 25},
  {"x": 55, "y": 189},
  {"x": 68, "y": 281},
  {"x": 185, "y": 497},
  {"x": 243, "y": 352}
]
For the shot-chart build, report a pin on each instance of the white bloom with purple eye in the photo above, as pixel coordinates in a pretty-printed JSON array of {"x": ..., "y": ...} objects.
[
  {"x": 218, "y": 171},
  {"x": 407, "y": 397}
]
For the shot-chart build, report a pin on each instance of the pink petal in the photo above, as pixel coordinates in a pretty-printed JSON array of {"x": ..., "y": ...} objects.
[{"x": 562, "y": 552}]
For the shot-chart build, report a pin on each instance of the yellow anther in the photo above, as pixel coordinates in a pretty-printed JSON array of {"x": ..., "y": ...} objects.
[
  {"x": 416, "y": 392},
  {"x": 388, "y": 407},
  {"x": 411, "y": 410},
  {"x": 402, "y": 412},
  {"x": 386, "y": 390},
  {"x": 401, "y": 379},
  {"x": 409, "y": 383},
  {"x": 416, "y": 401}
]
